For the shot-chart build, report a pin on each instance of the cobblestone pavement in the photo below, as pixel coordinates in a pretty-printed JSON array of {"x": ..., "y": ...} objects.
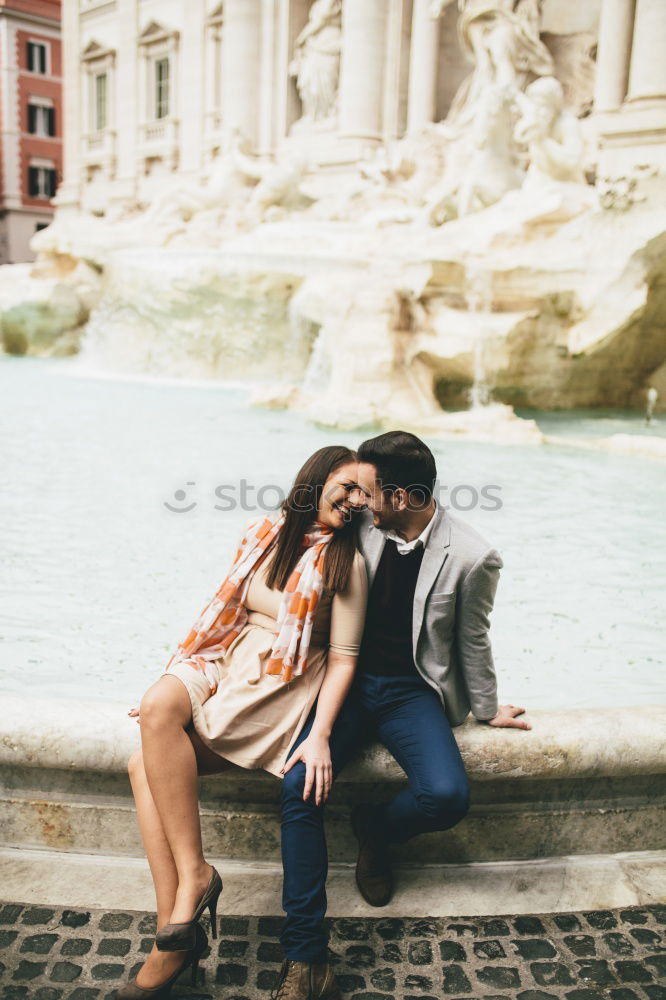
[{"x": 49, "y": 953}]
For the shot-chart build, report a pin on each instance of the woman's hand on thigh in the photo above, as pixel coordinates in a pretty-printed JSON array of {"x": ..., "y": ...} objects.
[
  {"x": 134, "y": 714},
  {"x": 315, "y": 753}
]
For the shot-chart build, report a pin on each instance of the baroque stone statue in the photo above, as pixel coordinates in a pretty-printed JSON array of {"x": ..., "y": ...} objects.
[{"x": 316, "y": 63}]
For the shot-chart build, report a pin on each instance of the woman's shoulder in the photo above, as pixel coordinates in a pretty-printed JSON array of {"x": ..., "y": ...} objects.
[
  {"x": 252, "y": 524},
  {"x": 357, "y": 575},
  {"x": 359, "y": 563}
]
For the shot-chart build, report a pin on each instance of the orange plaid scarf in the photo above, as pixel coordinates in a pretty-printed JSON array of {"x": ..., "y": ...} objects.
[{"x": 223, "y": 618}]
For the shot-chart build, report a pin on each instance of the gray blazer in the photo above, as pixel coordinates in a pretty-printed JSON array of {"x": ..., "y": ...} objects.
[{"x": 454, "y": 596}]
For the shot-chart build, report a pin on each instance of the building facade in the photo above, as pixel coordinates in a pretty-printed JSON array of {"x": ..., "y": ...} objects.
[
  {"x": 154, "y": 86},
  {"x": 31, "y": 121}
]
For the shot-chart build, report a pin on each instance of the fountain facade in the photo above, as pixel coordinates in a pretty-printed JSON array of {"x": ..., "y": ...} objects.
[{"x": 343, "y": 171}]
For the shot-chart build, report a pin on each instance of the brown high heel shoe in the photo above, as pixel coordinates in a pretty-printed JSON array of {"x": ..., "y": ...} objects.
[
  {"x": 178, "y": 937},
  {"x": 132, "y": 990}
]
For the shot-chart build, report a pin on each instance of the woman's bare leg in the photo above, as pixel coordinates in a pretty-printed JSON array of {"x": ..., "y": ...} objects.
[
  {"x": 170, "y": 763},
  {"x": 160, "y": 965}
]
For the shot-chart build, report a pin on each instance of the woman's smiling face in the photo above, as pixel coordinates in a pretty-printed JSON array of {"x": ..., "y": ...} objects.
[{"x": 340, "y": 496}]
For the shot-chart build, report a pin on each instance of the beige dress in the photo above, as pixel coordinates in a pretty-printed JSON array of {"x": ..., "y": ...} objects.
[{"x": 254, "y": 717}]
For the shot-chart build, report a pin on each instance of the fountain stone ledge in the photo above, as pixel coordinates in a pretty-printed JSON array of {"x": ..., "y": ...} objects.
[{"x": 581, "y": 782}]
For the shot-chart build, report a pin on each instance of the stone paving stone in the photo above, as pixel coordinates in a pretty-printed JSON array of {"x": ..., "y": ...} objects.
[
  {"x": 37, "y": 915},
  {"x": 74, "y": 918},
  {"x": 534, "y": 948},
  {"x": 390, "y": 929},
  {"x": 115, "y": 921},
  {"x": 634, "y": 916},
  {"x": 40, "y": 944},
  {"x": 455, "y": 980},
  {"x": 65, "y": 972},
  {"x": 658, "y": 963},
  {"x": 632, "y": 972},
  {"x": 528, "y": 925},
  {"x": 76, "y": 946},
  {"x": 498, "y": 976},
  {"x": 650, "y": 938},
  {"x": 618, "y": 943},
  {"x": 452, "y": 951},
  {"x": 567, "y": 922},
  {"x": 494, "y": 927},
  {"x": 581, "y": 944},
  {"x": 419, "y": 953},
  {"x": 392, "y": 953},
  {"x": 114, "y": 946},
  {"x": 489, "y": 949},
  {"x": 601, "y": 919},
  {"x": 147, "y": 924},
  {"x": 63, "y": 954},
  {"x": 29, "y": 970}
]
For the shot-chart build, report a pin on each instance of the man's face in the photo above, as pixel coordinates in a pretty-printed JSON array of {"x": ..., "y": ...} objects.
[{"x": 381, "y": 504}]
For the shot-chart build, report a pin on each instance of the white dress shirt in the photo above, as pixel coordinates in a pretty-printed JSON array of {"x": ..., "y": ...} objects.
[{"x": 403, "y": 546}]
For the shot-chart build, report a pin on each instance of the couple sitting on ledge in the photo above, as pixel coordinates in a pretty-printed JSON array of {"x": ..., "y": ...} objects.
[{"x": 363, "y": 606}]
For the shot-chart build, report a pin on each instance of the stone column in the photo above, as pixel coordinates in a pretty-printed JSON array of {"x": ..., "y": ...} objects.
[
  {"x": 614, "y": 47},
  {"x": 362, "y": 68},
  {"x": 292, "y": 18},
  {"x": 267, "y": 77},
  {"x": 69, "y": 193},
  {"x": 647, "y": 78},
  {"x": 396, "y": 69},
  {"x": 241, "y": 57},
  {"x": 422, "y": 66},
  {"x": 129, "y": 100},
  {"x": 190, "y": 93}
]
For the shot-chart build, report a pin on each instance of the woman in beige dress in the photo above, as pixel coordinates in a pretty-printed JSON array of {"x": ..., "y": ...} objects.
[{"x": 282, "y": 632}]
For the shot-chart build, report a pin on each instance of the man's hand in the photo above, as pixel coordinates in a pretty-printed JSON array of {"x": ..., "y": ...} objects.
[
  {"x": 315, "y": 753},
  {"x": 506, "y": 718}
]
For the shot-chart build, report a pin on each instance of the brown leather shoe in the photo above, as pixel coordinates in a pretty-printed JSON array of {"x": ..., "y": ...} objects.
[
  {"x": 373, "y": 867},
  {"x": 306, "y": 981}
]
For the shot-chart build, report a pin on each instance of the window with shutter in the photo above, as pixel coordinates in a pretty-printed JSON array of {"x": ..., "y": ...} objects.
[
  {"x": 162, "y": 88},
  {"x": 33, "y": 182},
  {"x": 36, "y": 57},
  {"x": 100, "y": 101}
]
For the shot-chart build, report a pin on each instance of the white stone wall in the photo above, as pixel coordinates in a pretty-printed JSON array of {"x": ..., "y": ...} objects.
[{"x": 229, "y": 68}]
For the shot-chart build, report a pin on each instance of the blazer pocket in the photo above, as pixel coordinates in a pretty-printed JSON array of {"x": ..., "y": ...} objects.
[{"x": 442, "y": 598}]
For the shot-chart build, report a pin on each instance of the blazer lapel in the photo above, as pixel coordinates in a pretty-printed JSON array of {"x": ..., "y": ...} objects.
[
  {"x": 434, "y": 557},
  {"x": 372, "y": 545}
]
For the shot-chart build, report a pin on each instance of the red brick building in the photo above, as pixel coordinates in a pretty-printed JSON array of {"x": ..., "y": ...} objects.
[{"x": 30, "y": 121}]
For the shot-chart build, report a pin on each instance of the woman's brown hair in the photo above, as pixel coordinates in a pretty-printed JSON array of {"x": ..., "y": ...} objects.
[{"x": 300, "y": 509}]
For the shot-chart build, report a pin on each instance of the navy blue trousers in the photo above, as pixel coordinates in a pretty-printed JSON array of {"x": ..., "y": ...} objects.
[{"x": 406, "y": 715}]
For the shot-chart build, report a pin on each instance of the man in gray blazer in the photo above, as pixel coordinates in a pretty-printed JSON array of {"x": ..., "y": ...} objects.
[{"x": 425, "y": 663}]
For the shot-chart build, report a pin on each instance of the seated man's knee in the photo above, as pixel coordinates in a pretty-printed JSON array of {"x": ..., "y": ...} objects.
[
  {"x": 293, "y": 783},
  {"x": 446, "y": 804},
  {"x": 293, "y": 788}
]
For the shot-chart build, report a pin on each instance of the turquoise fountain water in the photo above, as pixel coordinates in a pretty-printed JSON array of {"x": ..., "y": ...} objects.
[{"x": 101, "y": 579}]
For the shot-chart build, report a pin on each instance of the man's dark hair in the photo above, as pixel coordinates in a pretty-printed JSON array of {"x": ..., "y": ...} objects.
[{"x": 402, "y": 461}]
